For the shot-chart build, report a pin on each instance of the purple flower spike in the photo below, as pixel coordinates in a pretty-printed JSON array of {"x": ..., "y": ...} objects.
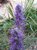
[
  {"x": 19, "y": 17},
  {"x": 16, "y": 39}
]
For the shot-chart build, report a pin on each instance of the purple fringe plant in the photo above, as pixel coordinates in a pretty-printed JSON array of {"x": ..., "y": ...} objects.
[{"x": 16, "y": 38}]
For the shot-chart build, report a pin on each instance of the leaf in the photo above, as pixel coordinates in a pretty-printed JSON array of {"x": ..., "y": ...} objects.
[
  {"x": 10, "y": 11},
  {"x": 8, "y": 24}
]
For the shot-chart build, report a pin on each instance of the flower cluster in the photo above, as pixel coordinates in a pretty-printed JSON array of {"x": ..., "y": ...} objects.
[
  {"x": 19, "y": 17},
  {"x": 16, "y": 38}
]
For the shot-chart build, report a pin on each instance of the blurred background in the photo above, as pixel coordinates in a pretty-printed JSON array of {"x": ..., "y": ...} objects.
[{"x": 6, "y": 21}]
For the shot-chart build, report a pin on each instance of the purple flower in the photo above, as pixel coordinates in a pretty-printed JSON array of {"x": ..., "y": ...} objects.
[
  {"x": 19, "y": 17},
  {"x": 16, "y": 39}
]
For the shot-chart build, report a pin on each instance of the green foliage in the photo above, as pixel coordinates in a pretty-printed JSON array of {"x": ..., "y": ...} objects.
[
  {"x": 4, "y": 26},
  {"x": 31, "y": 25},
  {"x": 3, "y": 34},
  {"x": 7, "y": 24}
]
